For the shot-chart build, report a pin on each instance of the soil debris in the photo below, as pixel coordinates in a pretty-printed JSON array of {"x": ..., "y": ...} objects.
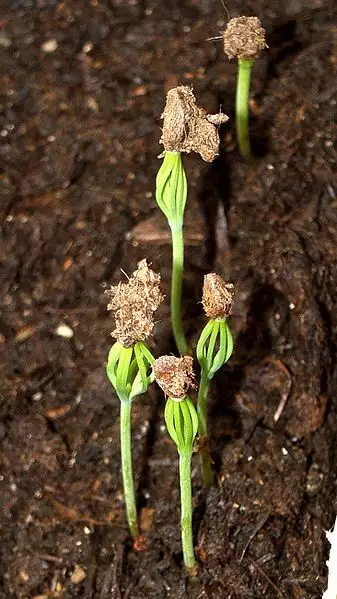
[{"x": 78, "y": 575}]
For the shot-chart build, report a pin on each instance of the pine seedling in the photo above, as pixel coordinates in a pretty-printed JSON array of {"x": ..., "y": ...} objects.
[
  {"x": 214, "y": 348},
  {"x": 175, "y": 376},
  {"x": 130, "y": 360},
  {"x": 244, "y": 38},
  {"x": 186, "y": 128}
]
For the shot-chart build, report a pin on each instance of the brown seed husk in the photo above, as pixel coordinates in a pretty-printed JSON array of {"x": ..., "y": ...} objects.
[
  {"x": 188, "y": 128},
  {"x": 217, "y": 297},
  {"x": 174, "y": 375},
  {"x": 134, "y": 304},
  {"x": 244, "y": 38}
]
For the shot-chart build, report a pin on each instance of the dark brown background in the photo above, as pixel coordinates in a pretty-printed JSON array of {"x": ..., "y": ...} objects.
[{"x": 79, "y": 145}]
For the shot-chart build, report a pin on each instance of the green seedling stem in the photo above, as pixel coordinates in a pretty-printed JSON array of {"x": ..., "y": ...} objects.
[
  {"x": 182, "y": 425},
  {"x": 242, "y": 107},
  {"x": 129, "y": 372},
  {"x": 127, "y": 472},
  {"x": 171, "y": 196},
  {"x": 214, "y": 348}
]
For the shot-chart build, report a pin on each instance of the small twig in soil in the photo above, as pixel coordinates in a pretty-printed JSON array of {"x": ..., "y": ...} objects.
[
  {"x": 281, "y": 406},
  {"x": 284, "y": 395},
  {"x": 110, "y": 587},
  {"x": 258, "y": 527},
  {"x": 70, "y": 513},
  {"x": 50, "y": 558},
  {"x": 266, "y": 577},
  {"x": 128, "y": 590},
  {"x": 91, "y": 578}
]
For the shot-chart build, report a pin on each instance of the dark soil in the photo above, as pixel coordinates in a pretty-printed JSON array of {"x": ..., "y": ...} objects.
[{"x": 79, "y": 144}]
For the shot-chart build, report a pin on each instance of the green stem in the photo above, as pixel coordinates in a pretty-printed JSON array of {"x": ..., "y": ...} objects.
[
  {"x": 242, "y": 107},
  {"x": 186, "y": 512},
  {"x": 126, "y": 453},
  {"x": 205, "y": 460},
  {"x": 176, "y": 286}
]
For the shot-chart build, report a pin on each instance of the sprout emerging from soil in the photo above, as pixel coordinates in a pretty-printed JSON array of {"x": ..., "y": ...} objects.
[
  {"x": 214, "y": 348},
  {"x": 186, "y": 128},
  {"x": 175, "y": 376},
  {"x": 244, "y": 38},
  {"x": 130, "y": 360}
]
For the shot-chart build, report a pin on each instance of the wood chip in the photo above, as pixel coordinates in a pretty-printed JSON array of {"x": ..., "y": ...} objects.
[
  {"x": 141, "y": 90},
  {"x": 67, "y": 264},
  {"x": 63, "y": 330},
  {"x": 24, "y": 333},
  {"x": 145, "y": 518},
  {"x": 78, "y": 575},
  {"x": 54, "y": 413},
  {"x": 49, "y": 46}
]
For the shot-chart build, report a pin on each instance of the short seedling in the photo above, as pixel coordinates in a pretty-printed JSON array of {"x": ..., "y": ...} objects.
[
  {"x": 244, "y": 38},
  {"x": 130, "y": 360},
  {"x": 175, "y": 376},
  {"x": 214, "y": 348},
  {"x": 186, "y": 128}
]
